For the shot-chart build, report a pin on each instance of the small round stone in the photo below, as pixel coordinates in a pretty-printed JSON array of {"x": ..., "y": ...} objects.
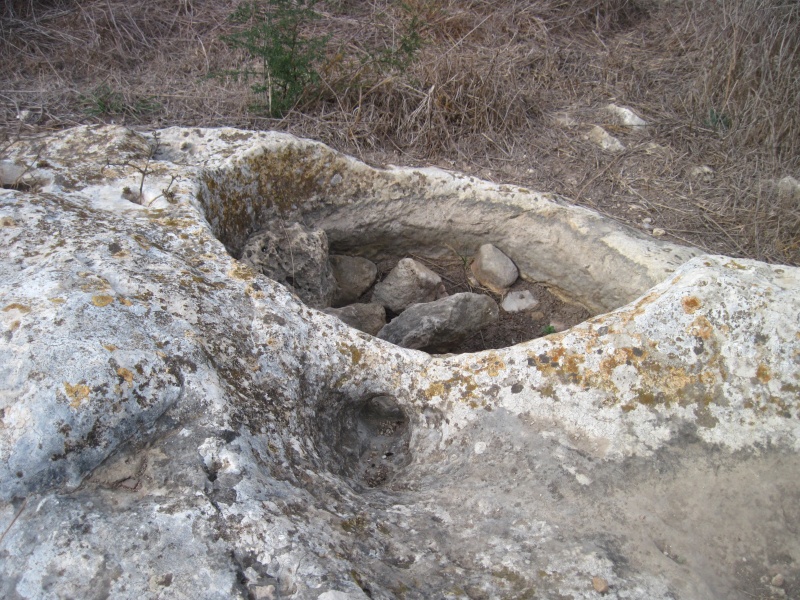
[
  {"x": 778, "y": 580},
  {"x": 600, "y": 585}
]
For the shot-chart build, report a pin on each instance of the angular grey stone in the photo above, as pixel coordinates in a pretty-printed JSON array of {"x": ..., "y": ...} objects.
[
  {"x": 493, "y": 269},
  {"x": 408, "y": 283},
  {"x": 369, "y": 318},
  {"x": 518, "y": 301},
  {"x": 354, "y": 275},
  {"x": 439, "y": 326},
  {"x": 295, "y": 256}
]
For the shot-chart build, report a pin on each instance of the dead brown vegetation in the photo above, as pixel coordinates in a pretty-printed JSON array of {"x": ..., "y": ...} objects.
[{"x": 718, "y": 80}]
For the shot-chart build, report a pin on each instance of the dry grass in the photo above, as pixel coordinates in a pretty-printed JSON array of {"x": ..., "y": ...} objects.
[{"x": 719, "y": 80}]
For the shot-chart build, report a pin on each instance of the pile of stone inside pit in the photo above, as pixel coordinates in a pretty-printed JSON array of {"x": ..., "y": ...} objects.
[{"x": 411, "y": 306}]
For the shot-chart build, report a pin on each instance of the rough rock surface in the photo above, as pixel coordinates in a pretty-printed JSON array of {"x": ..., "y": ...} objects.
[
  {"x": 369, "y": 318},
  {"x": 494, "y": 269},
  {"x": 296, "y": 256},
  {"x": 408, "y": 283},
  {"x": 441, "y": 325},
  {"x": 354, "y": 276},
  {"x": 174, "y": 424}
]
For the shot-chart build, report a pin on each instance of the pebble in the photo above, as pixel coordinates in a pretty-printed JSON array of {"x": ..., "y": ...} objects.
[
  {"x": 600, "y": 585},
  {"x": 658, "y": 232},
  {"x": 778, "y": 580}
]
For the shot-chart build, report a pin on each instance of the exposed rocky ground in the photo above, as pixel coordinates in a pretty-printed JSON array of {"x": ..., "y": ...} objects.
[{"x": 175, "y": 424}]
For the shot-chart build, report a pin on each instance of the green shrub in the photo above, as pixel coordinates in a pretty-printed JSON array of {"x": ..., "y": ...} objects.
[{"x": 281, "y": 60}]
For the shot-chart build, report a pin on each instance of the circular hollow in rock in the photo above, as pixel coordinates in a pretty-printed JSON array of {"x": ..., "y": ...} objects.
[{"x": 366, "y": 441}]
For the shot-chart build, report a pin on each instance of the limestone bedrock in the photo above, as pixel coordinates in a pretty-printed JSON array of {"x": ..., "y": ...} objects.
[{"x": 174, "y": 424}]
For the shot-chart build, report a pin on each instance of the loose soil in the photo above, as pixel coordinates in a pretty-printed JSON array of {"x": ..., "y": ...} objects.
[{"x": 551, "y": 314}]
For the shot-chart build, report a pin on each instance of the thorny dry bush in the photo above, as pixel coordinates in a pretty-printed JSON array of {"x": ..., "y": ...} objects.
[{"x": 506, "y": 90}]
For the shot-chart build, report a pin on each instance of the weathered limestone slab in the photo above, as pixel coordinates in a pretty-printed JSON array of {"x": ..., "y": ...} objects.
[{"x": 173, "y": 424}]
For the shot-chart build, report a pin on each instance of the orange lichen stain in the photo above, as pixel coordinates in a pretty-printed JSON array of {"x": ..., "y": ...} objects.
[
  {"x": 121, "y": 254},
  {"x": 110, "y": 347},
  {"x": 621, "y": 356},
  {"x": 57, "y": 300},
  {"x": 493, "y": 364},
  {"x": 763, "y": 374},
  {"x": 355, "y": 354},
  {"x": 691, "y": 304},
  {"x": 14, "y": 326},
  {"x": 241, "y": 271},
  {"x": 124, "y": 301},
  {"x": 639, "y": 307},
  {"x": 126, "y": 375},
  {"x": 102, "y": 300},
  {"x": 76, "y": 393},
  {"x": 17, "y": 306},
  {"x": 701, "y": 327},
  {"x": 7, "y": 222}
]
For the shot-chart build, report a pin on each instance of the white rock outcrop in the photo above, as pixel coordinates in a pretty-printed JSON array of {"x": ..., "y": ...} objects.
[{"x": 174, "y": 424}]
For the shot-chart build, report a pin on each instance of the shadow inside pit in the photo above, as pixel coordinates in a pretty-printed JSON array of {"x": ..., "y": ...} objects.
[{"x": 366, "y": 441}]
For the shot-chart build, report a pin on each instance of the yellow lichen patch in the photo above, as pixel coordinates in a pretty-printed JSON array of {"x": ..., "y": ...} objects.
[
  {"x": 241, "y": 271},
  {"x": 434, "y": 389},
  {"x": 14, "y": 326},
  {"x": 7, "y": 222},
  {"x": 442, "y": 388},
  {"x": 121, "y": 254},
  {"x": 732, "y": 264},
  {"x": 352, "y": 350},
  {"x": 76, "y": 393},
  {"x": 254, "y": 293},
  {"x": 17, "y": 306},
  {"x": 57, "y": 300},
  {"x": 102, "y": 300},
  {"x": 126, "y": 375},
  {"x": 763, "y": 373},
  {"x": 701, "y": 327},
  {"x": 691, "y": 304},
  {"x": 124, "y": 301},
  {"x": 110, "y": 347}
]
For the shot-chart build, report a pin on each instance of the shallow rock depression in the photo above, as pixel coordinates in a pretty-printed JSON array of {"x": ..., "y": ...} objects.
[{"x": 174, "y": 424}]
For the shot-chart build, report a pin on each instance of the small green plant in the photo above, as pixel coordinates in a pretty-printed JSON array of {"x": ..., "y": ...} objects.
[
  {"x": 103, "y": 101},
  {"x": 717, "y": 120},
  {"x": 402, "y": 54},
  {"x": 548, "y": 329},
  {"x": 282, "y": 61}
]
